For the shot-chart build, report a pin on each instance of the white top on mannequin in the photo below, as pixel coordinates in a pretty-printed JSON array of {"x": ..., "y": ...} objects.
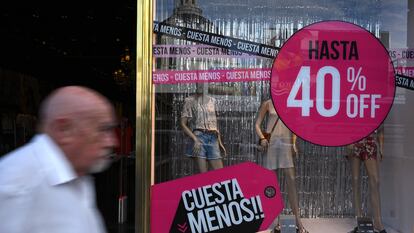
[{"x": 200, "y": 109}]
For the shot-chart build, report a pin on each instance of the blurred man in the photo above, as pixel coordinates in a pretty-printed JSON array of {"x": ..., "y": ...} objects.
[{"x": 44, "y": 185}]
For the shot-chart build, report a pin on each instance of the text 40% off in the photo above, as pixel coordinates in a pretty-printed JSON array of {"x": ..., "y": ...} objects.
[{"x": 356, "y": 104}]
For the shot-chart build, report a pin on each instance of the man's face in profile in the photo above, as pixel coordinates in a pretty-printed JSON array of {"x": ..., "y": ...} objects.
[{"x": 96, "y": 140}]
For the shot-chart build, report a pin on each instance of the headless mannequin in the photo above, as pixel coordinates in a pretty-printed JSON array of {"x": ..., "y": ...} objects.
[
  {"x": 201, "y": 98},
  {"x": 372, "y": 166},
  {"x": 289, "y": 172}
]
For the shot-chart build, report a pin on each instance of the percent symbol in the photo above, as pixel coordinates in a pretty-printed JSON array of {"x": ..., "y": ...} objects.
[{"x": 356, "y": 78}]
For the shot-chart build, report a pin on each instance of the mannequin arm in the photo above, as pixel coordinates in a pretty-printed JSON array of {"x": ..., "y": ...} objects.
[
  {"x": 187, "y": 131},
  {"x": 294, "y": 140},
  {"x": 221, "y": 143},
  {"x": 381, "y": 141},
  {"x": 262, "y": 113},
  {"x": 259, "y": 119}
]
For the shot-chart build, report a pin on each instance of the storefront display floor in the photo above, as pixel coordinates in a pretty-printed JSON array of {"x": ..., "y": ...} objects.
[
  {"x": 313, "y": 225},
  {"x": 329, "y": 225}
]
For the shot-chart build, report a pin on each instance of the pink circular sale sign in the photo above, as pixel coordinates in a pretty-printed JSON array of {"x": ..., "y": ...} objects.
[{"x": 333, "y": 83}]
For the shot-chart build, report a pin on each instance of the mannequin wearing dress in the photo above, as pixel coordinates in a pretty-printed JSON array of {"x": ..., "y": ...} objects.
[{"x": 277, "y": 154}]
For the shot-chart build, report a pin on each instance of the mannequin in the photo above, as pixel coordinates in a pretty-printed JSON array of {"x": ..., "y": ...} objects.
[
  {"x": 367, "y": 151},
  {"x": 199, "y": 122},
  {"x": 278, "y": 154}
]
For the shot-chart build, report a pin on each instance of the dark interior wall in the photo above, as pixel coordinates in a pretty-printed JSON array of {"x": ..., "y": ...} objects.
[{"x": 45, "y": 45}]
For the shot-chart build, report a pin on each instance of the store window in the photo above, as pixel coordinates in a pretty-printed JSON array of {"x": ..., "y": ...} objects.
[{"x": 206, "y": 91}]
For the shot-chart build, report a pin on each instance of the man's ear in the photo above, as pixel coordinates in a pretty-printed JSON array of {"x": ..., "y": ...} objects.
[{"x": 63, "y": 130}]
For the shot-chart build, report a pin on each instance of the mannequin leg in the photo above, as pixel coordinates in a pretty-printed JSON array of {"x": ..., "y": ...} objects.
[
  {"x": 292, "y": 194},
  {"x": 202, "y": 164},
  {"x": 216, "y": 163},
  {"x": 356, "y": 187},
  {"x": 373, "y": 178}
]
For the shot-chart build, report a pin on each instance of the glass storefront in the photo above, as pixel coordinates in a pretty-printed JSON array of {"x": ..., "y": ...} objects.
[{"x": 205, "y": 90}]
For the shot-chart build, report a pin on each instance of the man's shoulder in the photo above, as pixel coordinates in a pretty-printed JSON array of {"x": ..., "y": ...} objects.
[{"x": 19, "y": 170}]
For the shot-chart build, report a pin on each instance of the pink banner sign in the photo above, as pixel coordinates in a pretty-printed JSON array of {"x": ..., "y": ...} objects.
[
  {"x": 200, "y": 76},
  {"x": 198, "y": 51},
  {"x": 407, "y": 71},
  {"x": 240, "y": 198}
]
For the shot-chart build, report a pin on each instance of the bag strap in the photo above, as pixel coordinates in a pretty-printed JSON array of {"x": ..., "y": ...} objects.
[{"x": 274, "y": 126}]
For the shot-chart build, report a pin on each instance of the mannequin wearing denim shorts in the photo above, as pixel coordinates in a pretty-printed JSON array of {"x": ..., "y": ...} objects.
[
  {"x": 199, "y": 122},
  {"x": 278, "y": 154}
]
